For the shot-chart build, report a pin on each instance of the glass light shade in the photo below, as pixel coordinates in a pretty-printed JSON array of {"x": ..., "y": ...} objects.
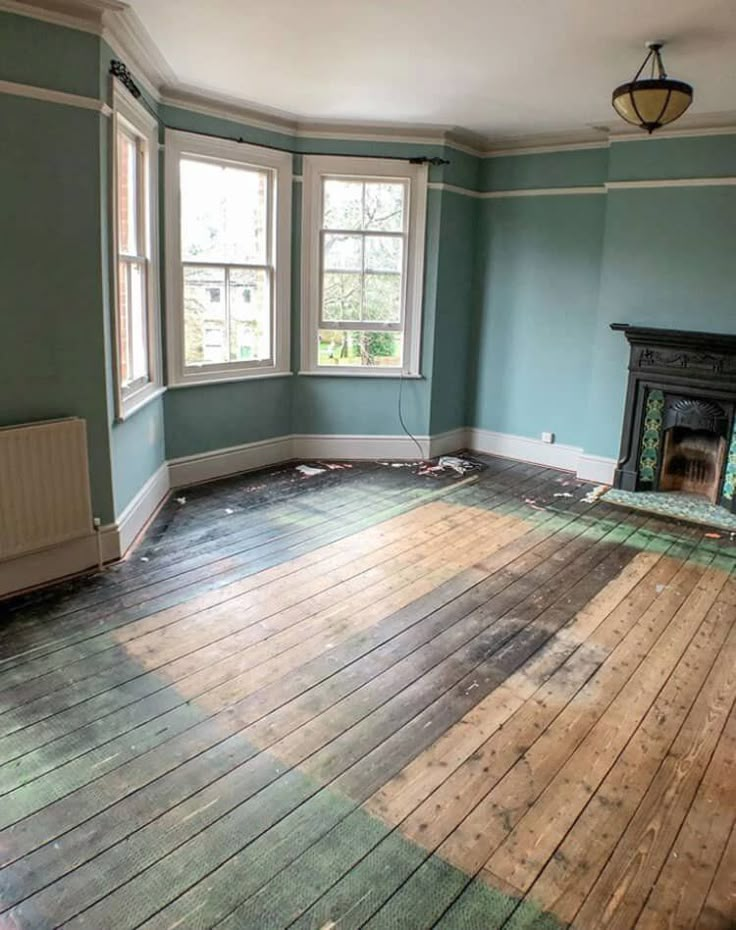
[{"x": 652, "y": 103}]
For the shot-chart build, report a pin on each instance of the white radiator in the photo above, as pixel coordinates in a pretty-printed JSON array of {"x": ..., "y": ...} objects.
[{"x": 44, "y": 486}]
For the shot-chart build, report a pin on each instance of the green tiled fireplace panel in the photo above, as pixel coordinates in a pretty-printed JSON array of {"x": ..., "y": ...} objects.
[{"x": 651, "y": 437}]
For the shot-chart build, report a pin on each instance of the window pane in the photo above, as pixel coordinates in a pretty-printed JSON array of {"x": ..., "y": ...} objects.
[
  {"x": 382, "y": 298},
  {"x": 204, "y": 316},
  {"x": 360, "y": 349},
  {"x": 343, "y": 253},
  {"x": 250, "y": 315},
  {"x": 384, "y": 206},
  {"x": 132, "y": 323},
  {"x": 383, "y": 253},
  {"x": 127, "y": 195},
  {"x": 342, "y": 204},
  {"x": 138, "y": 323},
  {"x": 227, "y": 315},
  {"x": 341, "y": 296},
  {"x": 224, "y": 213},
  {"x": 123, "y": 317}
]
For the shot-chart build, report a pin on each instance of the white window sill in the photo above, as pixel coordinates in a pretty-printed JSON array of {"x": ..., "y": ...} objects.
[
  {"x": 131, "y": 405},
  {"x": 260, "y": 376},
  {"x": 354, "y": 373}
]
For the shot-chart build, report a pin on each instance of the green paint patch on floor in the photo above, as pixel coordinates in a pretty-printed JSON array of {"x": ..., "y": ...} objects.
[
  {"x": 360, "y": 873},
  {"x": 325, "y": 863},
  {"x": 690, "y": 507}
]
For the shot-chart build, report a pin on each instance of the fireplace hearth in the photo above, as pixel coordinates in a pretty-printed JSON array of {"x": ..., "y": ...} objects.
[{"x": 679, "y": 425}]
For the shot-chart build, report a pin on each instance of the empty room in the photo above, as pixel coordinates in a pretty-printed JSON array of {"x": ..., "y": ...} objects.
[{"x": 368, "y": 465}]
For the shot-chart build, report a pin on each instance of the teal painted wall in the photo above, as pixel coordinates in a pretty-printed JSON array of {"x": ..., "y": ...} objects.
[
  {"x": 52, "y": 353},
  {"x": 218, "y": 416},
  {"x": 539, "y": 264},
  {"x": 697, "y": 157},
  {"x": 554, "y": 271},
  {"x": 455, "y": 304},
  {"x": 586, "y": 167},
  {"x": 138, "y": 451},
  {"x": 50, "y": 56}
]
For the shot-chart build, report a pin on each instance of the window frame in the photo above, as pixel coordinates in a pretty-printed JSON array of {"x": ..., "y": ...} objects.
[
  {"x": 131, "y": 119},
  {"x": 315, "y": 169},
  {"x": 279, "y": 166}
]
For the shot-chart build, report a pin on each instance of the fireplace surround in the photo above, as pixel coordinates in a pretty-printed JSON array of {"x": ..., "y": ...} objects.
[{"x": 679, "y": 431}]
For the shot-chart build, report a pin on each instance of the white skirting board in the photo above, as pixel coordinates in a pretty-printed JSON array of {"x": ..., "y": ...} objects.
[
  {"x": 596, "y": 468},
  {"x": 208, "y": 466},
  {"x": 116, "y": 539},
  {"x": 139, "y": 511},
  {"x": 554, "y": 455}
]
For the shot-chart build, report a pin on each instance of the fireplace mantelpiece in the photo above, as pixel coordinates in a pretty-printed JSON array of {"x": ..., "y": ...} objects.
[{"x": 665, "y": 367}]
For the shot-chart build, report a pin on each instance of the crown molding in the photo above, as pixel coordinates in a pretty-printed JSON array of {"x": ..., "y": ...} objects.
[
  {"x": 542, "y": 149},
  {"x": 224, "y": 107},
  {"x": 118, "y": 24},
  {"x": 693, "y": 132},
  {"x": 220, "y": 106},
  {"x": 128, "y": 37}
]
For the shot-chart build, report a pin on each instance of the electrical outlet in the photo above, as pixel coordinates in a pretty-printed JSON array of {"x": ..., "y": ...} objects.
[{"x": 548, "y": 437}]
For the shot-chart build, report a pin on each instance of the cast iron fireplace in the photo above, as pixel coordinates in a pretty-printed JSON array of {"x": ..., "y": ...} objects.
[{"x": 679, "y": 425}]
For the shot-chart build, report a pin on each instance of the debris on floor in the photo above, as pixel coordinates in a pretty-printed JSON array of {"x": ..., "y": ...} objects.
[
  {"x": 713, "y": 536},
  {"x": 427, "y": 469},
  {"x": 456, "y": 463},
  {"x": 181, "y": 500},
  {"x": 532, "y": 503},
  {"x": 592, "y": 496},
  {"x": 460, "y": 466},
  {"x": 335, "y": 466},
  {"x": 563, "y": 494},
  {"x": 309, "y": 471}
]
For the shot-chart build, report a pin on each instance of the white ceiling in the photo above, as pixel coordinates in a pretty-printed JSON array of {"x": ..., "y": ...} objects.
[{"x": 500, "y": 69}]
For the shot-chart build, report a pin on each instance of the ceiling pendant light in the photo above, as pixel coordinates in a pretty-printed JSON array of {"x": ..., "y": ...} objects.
[{"x": 653, "y": 101}]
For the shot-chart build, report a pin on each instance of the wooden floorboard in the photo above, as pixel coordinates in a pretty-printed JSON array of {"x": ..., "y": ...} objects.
[{"x": 377, "y": 699}]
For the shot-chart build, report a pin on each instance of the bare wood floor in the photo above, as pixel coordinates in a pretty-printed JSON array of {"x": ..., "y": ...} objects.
[{"x": 377, "y": 699}]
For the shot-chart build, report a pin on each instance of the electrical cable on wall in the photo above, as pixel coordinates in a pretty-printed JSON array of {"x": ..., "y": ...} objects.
[{"x": 403, "y": 424}]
